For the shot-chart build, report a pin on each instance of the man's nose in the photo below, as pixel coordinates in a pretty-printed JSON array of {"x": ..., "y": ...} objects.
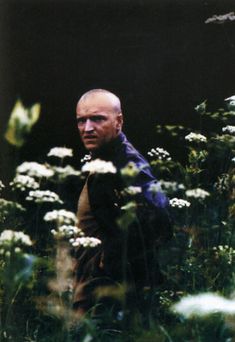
[{"x": 88, "y": 126}]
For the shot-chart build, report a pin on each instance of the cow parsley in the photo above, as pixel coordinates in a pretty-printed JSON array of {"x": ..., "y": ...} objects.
[
  {"x": 34, "y": 169},
  {"x": 60, "y": 152},
  {"x": 99, "y": 166},
  {"x": 179, "y": 203},
  {"x": 23, "y": 182},
  {"x": 43, "y": 196},
  {"x": 85, "y": 242},
  {"x": 195, "y": 137},
  {"x": 61, "y": 217}
]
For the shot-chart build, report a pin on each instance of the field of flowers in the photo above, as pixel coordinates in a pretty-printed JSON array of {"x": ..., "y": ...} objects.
[{"x": 196, "y": 302}]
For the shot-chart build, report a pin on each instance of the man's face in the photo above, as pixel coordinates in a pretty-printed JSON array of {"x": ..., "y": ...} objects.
[{"x": 98, "y": 120}]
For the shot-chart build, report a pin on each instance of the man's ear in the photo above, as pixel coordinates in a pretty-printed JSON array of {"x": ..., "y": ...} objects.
[{"x": 119, "y": 121}]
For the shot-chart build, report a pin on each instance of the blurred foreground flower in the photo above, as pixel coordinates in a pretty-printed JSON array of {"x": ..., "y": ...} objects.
[
  {"x": 9, "y": 208},
  {"x": 196, "y": 137},
  {"x": 229, "y": 129},
  {"x": 85, "y": 242},
  {"x": 61, "y": 217},
  {"x": 24, "y": 182},
  {"x": 204, "y": 304},
  {"x": 34, "y": 169},
  {"x": 61, "y": 173},
  {"x": 60, "y": 152},
  {"x": 1, "y": 185},
  {"x": 21, "y": 122},
  {"x": 170, "y": 187},
  {"x": 179, "y": 203},
  {"x": 99, "y": 166},
  {"x": 10, "y": 237},
  {"x": 43, "y": 196},
  {"x": 131, "y": 190},
  {"x": 197, "y": 193}
]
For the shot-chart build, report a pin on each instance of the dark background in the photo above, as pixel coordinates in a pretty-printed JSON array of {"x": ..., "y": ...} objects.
[{"x": 158, "y": 56}]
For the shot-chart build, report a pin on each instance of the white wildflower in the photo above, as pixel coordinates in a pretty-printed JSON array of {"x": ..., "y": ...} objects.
[
  {"x": 225, "y": 252},
  {"x": 132, "y": 190},
  {"x": 229, "y": 129},
  {"x": 9, "y": 237},
  {"x": 233, "y": 160},
  {"x": 204, "y": 304},
  {"x": 63, "y": 172},
  {"x": 179, "y": 203},
  {"x": 60, "y": 152},
  {"x": 67, "y": 231},
  {"x": 1, "y": 185},
  {"x": 86, "y": 158},
  {"x": 24, "y": 182},
  {"x": 195, "y": 137},
  {"x": 34, "y": 169},
  {"x": 85, "y": 242},
  {"x": 43, "y": 196},
  {"x": 168, "y": 186},
  {"x": 160, "y": 153},
  {"x": 197, "y": 193},
  {"x": 61, "y": 217},
  {"x": 99, "y": 166}
]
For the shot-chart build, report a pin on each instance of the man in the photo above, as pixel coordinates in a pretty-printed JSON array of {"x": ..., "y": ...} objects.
[{"x": 127, "y": 254}]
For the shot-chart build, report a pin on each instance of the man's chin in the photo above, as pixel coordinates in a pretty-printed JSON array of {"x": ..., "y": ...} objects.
[{"x": 91, "y": 147}]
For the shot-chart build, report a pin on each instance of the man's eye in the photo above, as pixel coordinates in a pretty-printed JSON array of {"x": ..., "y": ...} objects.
[
  {"x": 97, "y": 118},
  {"x": 81, "y": 121}
]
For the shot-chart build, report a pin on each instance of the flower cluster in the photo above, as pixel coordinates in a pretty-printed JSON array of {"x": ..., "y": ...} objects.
[
  {"x": 197, "y": 193},
  {"x": 85, "y": 242},
  {"x": 9, "y": 208},
  {"x": 9, "y": 237},
  {"x": 204, "y": 304},
  {"x": 99, "y": 166},
  {"x": 60, "y": 152},
  {"x": 24, "y": 182},
  {"x": 64, "y": 172},
  {"x": 132, "y": 190},
  {"x": 43, "y": 196},
  {"x": 61, "y": 217},
  {"x": 179, "y": 203},
  {"x": 34, "y": 169},
  {"x": 86, "y": 158},
  {"x": 160, "y": 153},
  {"x": 195, "y": 137},
  {"x": 170, "y": 187},
  {"x": 229, "y": 129},
  {"x": 226, "y": 252},
  {"x": 67, "y": 231}
]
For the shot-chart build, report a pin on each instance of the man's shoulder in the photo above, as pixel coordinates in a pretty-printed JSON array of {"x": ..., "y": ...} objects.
[{"x": 126, "y": 152}]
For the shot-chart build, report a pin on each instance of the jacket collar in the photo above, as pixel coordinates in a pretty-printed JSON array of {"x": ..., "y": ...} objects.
[{"x": 109, "y": 150}]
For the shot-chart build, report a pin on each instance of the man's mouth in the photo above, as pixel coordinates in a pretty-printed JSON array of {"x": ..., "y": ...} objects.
[{"x": 89, "y": 137}]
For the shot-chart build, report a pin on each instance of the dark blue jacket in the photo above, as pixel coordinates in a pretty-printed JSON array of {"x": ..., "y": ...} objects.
[{"x": 129, "y": 241}]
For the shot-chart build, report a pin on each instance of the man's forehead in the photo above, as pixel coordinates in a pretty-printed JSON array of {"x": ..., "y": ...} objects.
[{"x": 98, "y": 101}]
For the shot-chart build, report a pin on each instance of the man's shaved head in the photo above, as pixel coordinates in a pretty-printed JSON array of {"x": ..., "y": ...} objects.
[
  {"x": 112, "y": 97},
  {"x": 99, "y": 118}
]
